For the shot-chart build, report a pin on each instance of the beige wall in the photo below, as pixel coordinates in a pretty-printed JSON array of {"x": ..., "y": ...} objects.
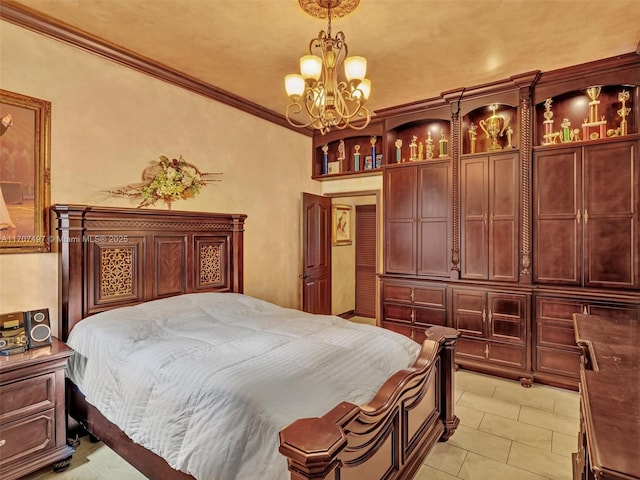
[{"x": 109, "y": 121}]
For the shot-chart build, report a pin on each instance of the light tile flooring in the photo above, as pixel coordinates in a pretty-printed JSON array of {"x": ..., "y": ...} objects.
[{"x": 506, "y": 432}]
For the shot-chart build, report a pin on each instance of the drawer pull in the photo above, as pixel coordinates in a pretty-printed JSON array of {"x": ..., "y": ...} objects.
[
  {"x": 2, "y": 442},
  {"x": 486, "y": 351},
  {"x": 412, "y": 296},
  {"x": 578, "y": 216},
  {"x": 484, "y": 316}
]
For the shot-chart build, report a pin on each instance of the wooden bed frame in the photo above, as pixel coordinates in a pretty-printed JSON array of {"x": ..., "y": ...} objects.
[{"x": 115, "y": 257}]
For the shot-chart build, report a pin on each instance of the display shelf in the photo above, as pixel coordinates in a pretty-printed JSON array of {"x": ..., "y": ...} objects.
[
  {"x": 427, "y": 139},
  {"x": 586, "y": 115},
  {"x": 490, "y": 128},
  {"x": 348, "y": 153}
]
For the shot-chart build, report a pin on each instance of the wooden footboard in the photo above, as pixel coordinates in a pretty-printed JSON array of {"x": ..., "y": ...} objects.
[{"x": 390, "y": 436}]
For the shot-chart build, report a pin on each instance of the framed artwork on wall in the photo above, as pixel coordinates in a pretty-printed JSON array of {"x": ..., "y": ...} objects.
[
  {"x": 25, "y": 173},
  {"x": 342, "y": 225}
]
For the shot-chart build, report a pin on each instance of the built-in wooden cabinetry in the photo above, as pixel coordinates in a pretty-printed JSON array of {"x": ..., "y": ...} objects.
[{"x": 518, "y": 203}]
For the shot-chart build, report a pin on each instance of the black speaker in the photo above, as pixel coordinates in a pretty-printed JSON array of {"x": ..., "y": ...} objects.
[{"x": 38, "y": 327}]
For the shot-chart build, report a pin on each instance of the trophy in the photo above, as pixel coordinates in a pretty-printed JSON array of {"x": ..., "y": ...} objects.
[
  {"x": 493, "y": 127},
  {"x": 592, "y": 128},
  {"x": 341, "y": 155},
  {"x": 420, "y": 151},
  {"x": 429, "y": 144},
  {"x": 356, "y": 158},
  {"x": 325, "y": 159},
  {"x": 412, "y": 149},
  {"x": 444, "y": 145},
  {"x": 566, "y": 133},
  {"x": 398, "y": 146},
  {"x": 373, "y": 141},
  {"x": 549, "y": 136},
  {"x": 623, "y": 96},
  {"x": 472, "y": 136}
]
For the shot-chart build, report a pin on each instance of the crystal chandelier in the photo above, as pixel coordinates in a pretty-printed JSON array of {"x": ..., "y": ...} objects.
[{"x": 317, "y": 92}]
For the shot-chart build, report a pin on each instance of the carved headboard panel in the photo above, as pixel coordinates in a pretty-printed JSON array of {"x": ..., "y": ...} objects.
[{"x": 114, "y": 257}]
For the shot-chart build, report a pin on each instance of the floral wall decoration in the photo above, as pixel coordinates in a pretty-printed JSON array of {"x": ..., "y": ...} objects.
[{"x": 168, "y": 181}]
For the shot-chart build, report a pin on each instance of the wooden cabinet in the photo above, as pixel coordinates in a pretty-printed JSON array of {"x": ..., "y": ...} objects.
[
  {"x": 33, "y": 430},
  {"x": 556, "y": 356},
  {"x": 418, "y": 218},
  {"x": 410, "y": 307},
  {"x": 609, "y": 399},
  {"x": 489, "y": 202},
  {"x": 495, "y": 330},
  {"x": 586, "y": 203}
]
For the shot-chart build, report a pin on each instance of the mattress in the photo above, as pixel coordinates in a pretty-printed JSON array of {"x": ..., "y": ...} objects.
[{"x": 208, "y": 380}]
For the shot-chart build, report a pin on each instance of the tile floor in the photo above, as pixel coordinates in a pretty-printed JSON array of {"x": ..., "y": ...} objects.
[{"x": 506, "y": 432}]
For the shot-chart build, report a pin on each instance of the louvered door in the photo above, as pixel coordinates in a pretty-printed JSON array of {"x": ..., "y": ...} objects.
[{"x": 366, "y": 261}]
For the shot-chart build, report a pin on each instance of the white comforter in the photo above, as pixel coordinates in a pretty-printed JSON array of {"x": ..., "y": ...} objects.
[{"x": 208, "y": 380}]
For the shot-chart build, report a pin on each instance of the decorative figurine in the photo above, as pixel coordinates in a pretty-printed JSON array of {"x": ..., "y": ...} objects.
[
  {"x": 398, "y": 145},
  {"x": 444, "y": 145},
  {"x": 509, "y": 137},
  {"x": 493, "y": 127},
  {"x": 356, "y": 158},
  {"x": 472, "y": 135},
  {"x": 429, "y": 144},
  {"x": 325, "y": 159},
  {"x": 592, "y": 128},
  {"x": 420, "y": 151},
  {"x": 341, "y": 155},
  {"x": 412, "y": 149},
  {"x": 623, "y": 96}
]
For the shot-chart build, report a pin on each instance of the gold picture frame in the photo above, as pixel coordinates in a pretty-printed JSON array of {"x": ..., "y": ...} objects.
[
  {"x": 25, "y": 173},
  {"x": 341, "y": 225}
]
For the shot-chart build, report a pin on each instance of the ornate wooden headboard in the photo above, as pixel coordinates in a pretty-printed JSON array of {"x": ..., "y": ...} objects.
[{"x": 114, "y": 257}]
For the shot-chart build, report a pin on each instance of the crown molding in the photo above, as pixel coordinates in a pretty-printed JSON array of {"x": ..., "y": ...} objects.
[{"x": 45, "y": 25}]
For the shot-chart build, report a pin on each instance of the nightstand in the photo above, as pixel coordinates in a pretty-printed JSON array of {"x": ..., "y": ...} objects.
[{"x": 33, "y": 424}]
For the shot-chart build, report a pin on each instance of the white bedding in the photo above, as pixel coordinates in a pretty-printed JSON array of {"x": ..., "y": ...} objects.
[{"x": 208, "y": 380}]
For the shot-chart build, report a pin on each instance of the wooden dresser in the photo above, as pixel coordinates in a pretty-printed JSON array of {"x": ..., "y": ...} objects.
[
  {"x": 609, "y": 439},
  {"x": 33, "y": 430}
]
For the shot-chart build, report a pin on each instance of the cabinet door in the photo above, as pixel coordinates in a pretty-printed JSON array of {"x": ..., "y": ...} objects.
[
  {"x": 508, "y": 317},
  {"x": 610, "y": 216},
  {"x": 400, "y": 186},
  {"x": 469, "y": 312},
  {"x": 474, "y": 198},
  {"x": 434, "y": 231},
  {"x": 503, "y": 218},
  {"x": 557, "y": 216}
]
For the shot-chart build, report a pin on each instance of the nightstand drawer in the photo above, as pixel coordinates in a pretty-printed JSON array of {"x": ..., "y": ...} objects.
[
  {"x": 27, "y": 436},
  {"x": 27, "y": 397}
]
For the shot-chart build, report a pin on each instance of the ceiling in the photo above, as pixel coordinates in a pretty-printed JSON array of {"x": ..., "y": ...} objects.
[{"x": 416, "y": 49}]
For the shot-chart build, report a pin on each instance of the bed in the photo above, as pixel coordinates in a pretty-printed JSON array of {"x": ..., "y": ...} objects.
[{"x": 116, "y": 261}]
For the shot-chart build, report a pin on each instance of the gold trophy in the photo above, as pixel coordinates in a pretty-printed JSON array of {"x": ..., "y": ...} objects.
[
  {"x": 623, "y": 96},
  {"x": 493, "y": 127},
  {"x": 444, "y": 145},
  {"x": 413, "y": 156},
  {"x": 429, "y": 144},
  {"x": 398, "y": 152},
  {"x": 549, "y": 136},
  {"x": 592, "y": 128}
]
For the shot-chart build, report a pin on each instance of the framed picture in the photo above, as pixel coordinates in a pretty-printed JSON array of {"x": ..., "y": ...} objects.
[
  {"x": 25, "y": 174},
  {"x": 342, "y": 225}
]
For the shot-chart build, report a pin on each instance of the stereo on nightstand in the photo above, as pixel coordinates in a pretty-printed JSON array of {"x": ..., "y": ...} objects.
[{"x": 38, "y": 327}]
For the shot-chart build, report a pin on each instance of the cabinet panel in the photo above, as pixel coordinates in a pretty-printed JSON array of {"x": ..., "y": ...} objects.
[
  {"x": 434, "y": 194},
  {"x": 396, "y": 293},
  {"x": 401, "y": 329},
  {"x": 557, "y": 202},
  {"x": 469, "y": 311},
  {"x": 27, "y": 396},
  {"x": 507, "y": 317},
  {"x": 474, "y": 182},
  {"x": 508, "y": 355},
  {"x": 557, "y": 335},
  {"x": 503, "y": 218},
  {"x": 558, "y": 362},
  {"x": 397, "y": 313},
  {"x": 430, "y": 316},
  {"x": 430, "y": 296},
  {"x": 28, "y": 436},
  {"x": 400, "y": 187},
  {"x": 610, "y": 215}
]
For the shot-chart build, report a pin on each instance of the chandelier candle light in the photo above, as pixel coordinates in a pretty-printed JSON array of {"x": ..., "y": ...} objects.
[{"x": 317, "y": 92}]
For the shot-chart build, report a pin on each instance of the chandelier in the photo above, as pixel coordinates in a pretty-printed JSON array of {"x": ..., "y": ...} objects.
[{"x": 317, "y": 92}]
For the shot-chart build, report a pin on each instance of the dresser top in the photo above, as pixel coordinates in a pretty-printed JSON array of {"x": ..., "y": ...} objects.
[{"x": 610, "y": 392}]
